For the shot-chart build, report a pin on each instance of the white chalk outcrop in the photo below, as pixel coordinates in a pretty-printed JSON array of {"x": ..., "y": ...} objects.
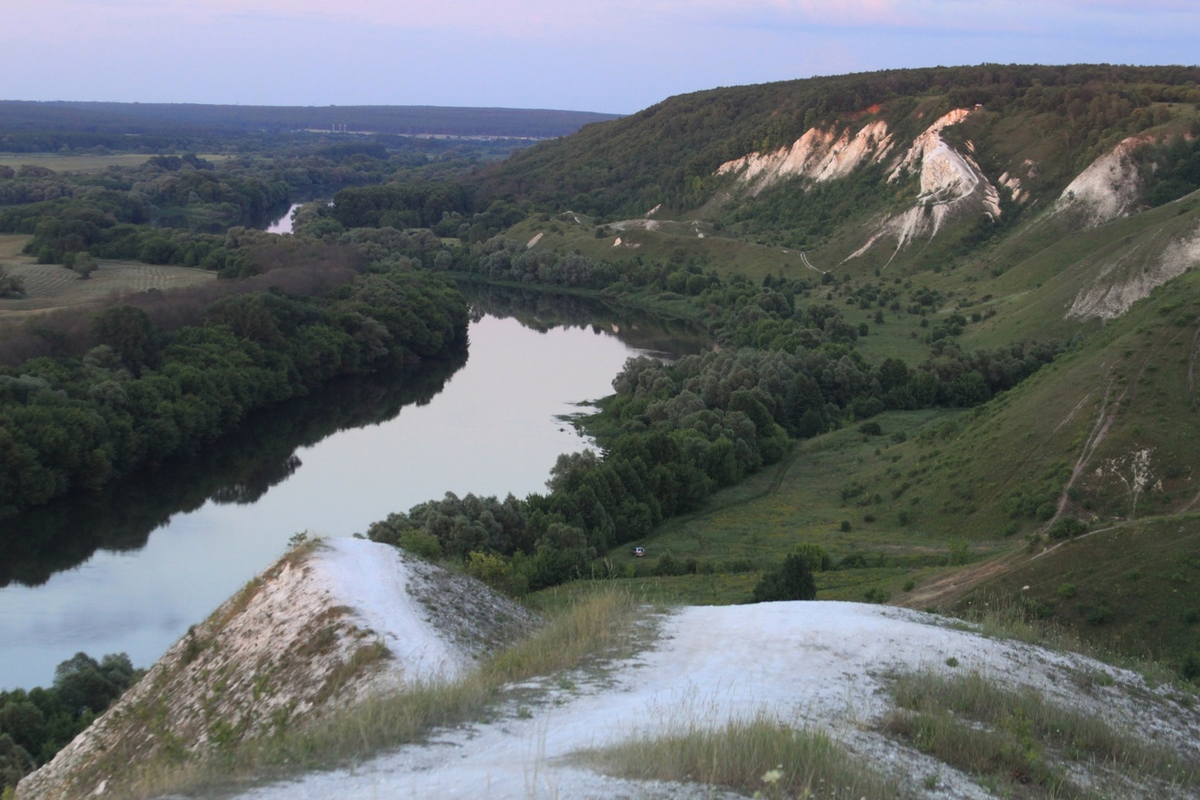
[
  {"x": 952, "y": 187},
  {"x": 819, "y": 155},
  {"x": 1134, "y": 274},
  {"x": 1109, "y": 188},
  {"x": 324, "y": 625},
  {"x": 811, "y": 665}
]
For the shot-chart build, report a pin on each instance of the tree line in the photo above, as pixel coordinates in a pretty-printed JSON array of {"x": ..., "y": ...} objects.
[
  {"x": 142, "y": 393},
  {"x": 672, "y": 434},
  {"x": 36, "y": 724}
]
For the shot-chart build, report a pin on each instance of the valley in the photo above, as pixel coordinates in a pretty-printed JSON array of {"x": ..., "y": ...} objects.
[{"x": 956, "y": 316}]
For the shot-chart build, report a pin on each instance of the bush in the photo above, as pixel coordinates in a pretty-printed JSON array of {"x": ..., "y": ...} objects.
[
  {"x": 421, "y": 543},
  {"x": 793, "y": 581},
  {"x": 816, "y": 556},
  {"x": 10, "y": 285},
  {"x": 1189, "y": 668},
  {"x": 1068, "y": 528}
]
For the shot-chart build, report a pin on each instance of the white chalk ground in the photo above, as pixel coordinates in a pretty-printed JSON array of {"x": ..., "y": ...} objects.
[
  {"x": 816, "y": 664},
  {"x": 373, "y": 580}
]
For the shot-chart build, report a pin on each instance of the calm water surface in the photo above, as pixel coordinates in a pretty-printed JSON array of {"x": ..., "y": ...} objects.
[{"x": 493, "y": 429}]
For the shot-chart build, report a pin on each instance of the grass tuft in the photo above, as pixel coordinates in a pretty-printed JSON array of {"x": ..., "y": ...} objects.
[
  {"x": 760, "y": 757},
  {"x": 1019, "y": 737}
]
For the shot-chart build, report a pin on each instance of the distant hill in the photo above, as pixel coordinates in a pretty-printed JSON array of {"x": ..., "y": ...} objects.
[
  {"x": 671, "y": 153},
  {"x": 146, "y": 118},
  {"x": 943, "y": 209}
]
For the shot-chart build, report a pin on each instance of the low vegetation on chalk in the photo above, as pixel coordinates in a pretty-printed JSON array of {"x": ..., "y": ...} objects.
[
  {"x": 757, "y": 757},
  {"x": 580, "y": 636},
  {"x": 1020, "y": 739}
]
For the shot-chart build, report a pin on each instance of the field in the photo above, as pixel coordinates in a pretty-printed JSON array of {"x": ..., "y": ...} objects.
[
  {"x": 77, "y": 162},
  {"x": 50, "y": 286}
]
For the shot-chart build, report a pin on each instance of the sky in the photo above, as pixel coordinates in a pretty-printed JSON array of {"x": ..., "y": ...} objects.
[{"x": 615, "y": 56}]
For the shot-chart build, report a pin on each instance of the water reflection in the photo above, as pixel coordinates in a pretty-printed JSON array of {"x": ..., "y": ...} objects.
[
  {"x": 130, "y": 568},
  {"x": 239, "y": 468},
  {"x": 543, "y": 311}
]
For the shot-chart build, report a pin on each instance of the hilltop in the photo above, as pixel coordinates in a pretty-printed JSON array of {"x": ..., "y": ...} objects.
[{"x": 838, "y": 672}]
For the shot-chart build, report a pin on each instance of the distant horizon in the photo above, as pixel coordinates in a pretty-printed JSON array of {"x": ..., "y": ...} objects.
[
  {"x": 155, "y": 102},
  {"x": 576, "y": 110},
  {"x": 534, "y": 54},
  {"x": 311, "y": 105}
]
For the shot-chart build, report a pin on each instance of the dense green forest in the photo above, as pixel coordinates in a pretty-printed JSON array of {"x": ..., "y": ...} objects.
[
  {"x": 142, "y": 392},
  {"x": 36, "y": 724}
]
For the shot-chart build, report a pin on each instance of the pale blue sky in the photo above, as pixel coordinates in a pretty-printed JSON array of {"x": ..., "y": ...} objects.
[{"x": 614, "y": 55}]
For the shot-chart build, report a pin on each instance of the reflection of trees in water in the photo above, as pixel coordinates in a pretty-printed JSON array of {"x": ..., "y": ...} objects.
[
  {"x": 543, "y": 311},
  {"x": 238, "y": 468},
  {"x": 256, "y": 485}
]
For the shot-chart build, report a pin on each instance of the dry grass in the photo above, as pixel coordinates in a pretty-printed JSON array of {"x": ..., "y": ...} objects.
[
  {"x": 1020, "y": 737},
  {"x": 580, "y": 635},
  {"x": 760, "y": 756}
]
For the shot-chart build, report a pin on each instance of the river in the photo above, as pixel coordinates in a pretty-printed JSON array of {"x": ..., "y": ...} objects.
[{"x": 176, "y": 543}]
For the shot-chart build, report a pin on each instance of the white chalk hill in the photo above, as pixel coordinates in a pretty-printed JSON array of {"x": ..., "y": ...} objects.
[
  {"x": 327, "y": 623},
  {"x": 817, "y": 665}
]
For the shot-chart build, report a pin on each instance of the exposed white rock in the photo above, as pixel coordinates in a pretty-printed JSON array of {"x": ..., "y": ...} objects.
[
  {"x": 307, "y": 632},
  {"x": 814, "y": 665},
  {"x": 1109, "y": 188},
  {"x": 820, "y": 155},
  {"x": 1131, "y": 277},
  {"x": 952, "y": 186}
]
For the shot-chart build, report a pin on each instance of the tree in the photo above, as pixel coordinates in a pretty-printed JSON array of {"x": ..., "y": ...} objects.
[
  {"x": 83, "y": 264},
  {"x": 794, "y": 581},
  {"x": 15, "y": 761},
  {"x": 82, "y": 684},
  {"x": 11, "y": 285},
  {"x": 129, "y": 331}
]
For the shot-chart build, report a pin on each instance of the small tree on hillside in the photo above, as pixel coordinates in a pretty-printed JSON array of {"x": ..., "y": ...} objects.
[
  {"x": 793, "y": 581},
  {"x": 10, "y": 285},
  {"x": 84, "y": 265}
]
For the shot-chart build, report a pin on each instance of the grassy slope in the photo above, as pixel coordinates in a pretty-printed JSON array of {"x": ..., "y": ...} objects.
[{"x": 991, "y": 476}]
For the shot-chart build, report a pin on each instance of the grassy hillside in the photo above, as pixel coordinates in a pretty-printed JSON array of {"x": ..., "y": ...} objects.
[
  {"x": 939, "y": 503},
  {"x": 1063, "y": 117}
]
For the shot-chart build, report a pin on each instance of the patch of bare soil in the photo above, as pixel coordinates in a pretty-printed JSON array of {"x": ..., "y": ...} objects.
[{"x": 948, "y": 588}]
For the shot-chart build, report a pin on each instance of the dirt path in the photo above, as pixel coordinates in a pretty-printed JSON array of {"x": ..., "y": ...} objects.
[{"x": 948, "y": 588}]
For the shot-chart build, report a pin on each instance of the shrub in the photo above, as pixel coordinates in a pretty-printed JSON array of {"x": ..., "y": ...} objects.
[
  {"x": 1067, "y": 528},
  {"x": 10, "y": 285},
  {"x": 668, "y": 566},
  {"x": 421, "y": 543},
  {"x": 815, "y": 556},
  {"x": 876, "y": 595},
  {"x": 793, "y": 581},
  {"x": 1189, "y": 668}
]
